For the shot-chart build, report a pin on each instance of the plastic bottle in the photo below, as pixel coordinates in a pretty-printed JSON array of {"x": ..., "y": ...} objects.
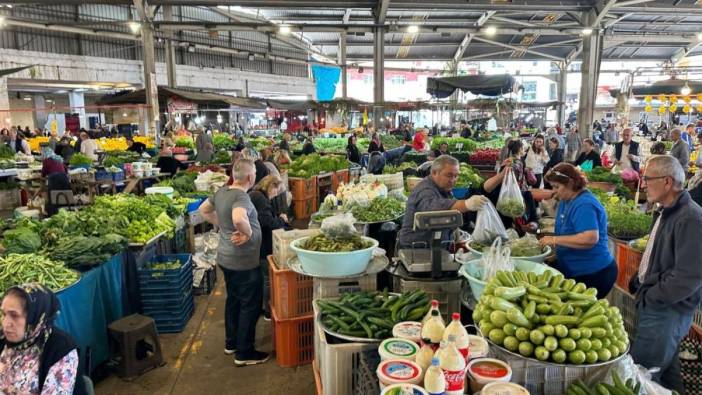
[
  {"x": 424, "y": 357},
  {"x": 433, "y": 330},
  {"x": 434, "y": 381},
  {"x": 457, "y": 329},
  {"x": 453, "y": 364},
  {"x": 434, "y": 306}
]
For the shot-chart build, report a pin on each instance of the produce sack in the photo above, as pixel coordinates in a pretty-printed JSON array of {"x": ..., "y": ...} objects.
[
  {"x": 488, "y": 226},
  {"x": 510, "y": 203},
  {"x": 496, "y": 259},
  {"x": 339, "y": 227}
]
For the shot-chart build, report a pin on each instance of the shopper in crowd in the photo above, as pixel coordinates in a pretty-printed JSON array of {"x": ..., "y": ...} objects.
[
  {"x": 88, "y": 146},
  {"x": 698, "y": 161},
  {"x": 688, "y": 136},
  {"x": 537, "y": 158},
  {"x": 308, "y": 147},
  {"x": 668, "y": 285},
  {"x": 285, "y": 142},
  {"x": 643, "y": 128},
  {"x": 262, "y": 197},
  {"x": 282, "y": 158},
  {"x": 168, "y": 164},
  {"x": 204, "y": 146},
  {"x": 554, "y": 159},
  {"x": 240, "y": 144},
  {"x": 680, "y": 150},
  {"x": 51, "y": 163},
  {"x": 375, "y": 144},
  {"x": 504, "y": 152},
  {"x": 353, "y": 154},
  {"x": 168, "y": 141},
  {"x": 581, "y": 231},
  {"x": 442, "y": 150},
  {"x": 135, "y": 146},
  {"x": 65, "y": 149},
  {"x": 465, "y": 130},
  {"x": 589, "y": 154},
  {"x": 36, "y": 357},
  {"x": 553, "y": 132},
  {"x": 573, "y": 145},
  {"x": 261, "y": 169},
  {"x": 626, "y": 152},
  {"x": 53, "y": 141},
  {"x": 433, "y": 193},
  {"x": 238, "y": 256},
  {"x": 611, "y": 135},
  {"x": 17, "y": 142},
  {"x": 658, "y": 148}
]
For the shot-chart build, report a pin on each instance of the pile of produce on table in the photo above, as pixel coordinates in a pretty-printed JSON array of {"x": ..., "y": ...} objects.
[
  {"x": 523, "y": 247},
  {"x": 390, "y": 169},
  {"x": 602, "y": 174},
  {"x": 361, "y": 192},
  {"x": 468, "y": 177},
  {"x": 619, "y": 387},
  {"x": 624, "y": 219},
  {"x": 454, "y": 143},
  {"x": 6, "y": 152},
  {"x": 259, "y": 143},
  {"x": 83, "y": 252},
  {"x": 380, "y": 209},
  {"x": 322, "y": 243},
  {"x": 221, "y": 157},
  {"x": 372, "y": 315},
  {"x": 550, "y": 318},
  {"x": 223, "y": 141},
  {"x": 511, "y": 207},
  {"x": 16, "y": 269},
  {"x": 119, "y": 158},
  {"x": 79, "y": 159},
  {"x": 23, "y": 239},
  {"x": 182, "y": 182},
  {"x": 484, "y": 156},
  {"x": 310, "y": 165},
  {"x": 185, "y": 142}
]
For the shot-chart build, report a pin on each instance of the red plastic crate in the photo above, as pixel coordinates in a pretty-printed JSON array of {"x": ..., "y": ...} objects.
[
  {"x": 304, "y": 208},
  {"x": 291, "y": 293},
  {"x": 303, "y": 188},
  {"x": 628, "y": 260},
  {"x": 294, "y": 340},
  {"x": 339, "y": 177}
]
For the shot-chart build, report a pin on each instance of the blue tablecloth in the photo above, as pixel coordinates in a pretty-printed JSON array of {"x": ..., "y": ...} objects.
[{"x": 89, "y": 306}]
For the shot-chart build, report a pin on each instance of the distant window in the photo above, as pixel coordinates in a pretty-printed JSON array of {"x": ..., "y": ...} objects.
[
  {"x": 552, "y": 93},
  {"x": 529, "y": 93},
  {"x": 367, "y": 78},
  {"x": 397, "y": 80}
]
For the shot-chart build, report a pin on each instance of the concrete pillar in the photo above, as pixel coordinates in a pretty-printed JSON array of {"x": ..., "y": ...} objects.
[
  {"x": 77, "y": 102},
  {"x": 41, "y": 116},
  {"x": 5, "y": 114},
  {"x": 170, "y": 50},
  {"x": 341, "y": 60},
  {"x": 152, "y": 114},
  {"x": 562, "y": 88},
  {"x": 378, "y": 75},
  {"x": 590, "y": 72}
]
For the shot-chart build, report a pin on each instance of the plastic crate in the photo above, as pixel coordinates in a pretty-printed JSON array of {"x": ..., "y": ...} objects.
[
  {"x": 338, "y": 361},
  {"x": 355, "y": 173},
  {"x": 627, "y": 306},
  {"x": 332, "y": 287},
  {"x": 304, "y": 208},
  {"x": 281, "y": 243},
  {"x": 207, "y": 283},
  {"x": 291, "y": 293},
  {"x": 103, "y": 175},
  {"x": 175, "y": 324},
  {"x": 118, "y": 176},
  {"x": 447, "y": 292},
  {"x": 180, "y": 241},
  {"x": 169, "y": 279},
  {"x": 303, "y": 188},
  {"x": 365, "y": 378},
  {"x": 293, "y": 339},
  {"x": 169, "y": 311},
  {"x": 628, "y": 260},
  {"x": 339, "y": 177}
]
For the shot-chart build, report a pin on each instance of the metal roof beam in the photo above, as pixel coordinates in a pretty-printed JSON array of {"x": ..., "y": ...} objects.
[
  {"x": 602, "y": 9},
  {"x": 516, "y": 48},
  {"x": 347, "y": 16},
  {"x": 381, "y": 12},
  {"x": 653, "y": 10}
]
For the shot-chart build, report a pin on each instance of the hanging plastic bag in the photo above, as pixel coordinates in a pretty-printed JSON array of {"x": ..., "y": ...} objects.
[
  {"x": 496, "y": 259},
  {"x": 488, "y": 226},
  {"x": 510, "y": 203},
  {"x": 586, "y": 166},
  {"x": 339, "y": 227}
]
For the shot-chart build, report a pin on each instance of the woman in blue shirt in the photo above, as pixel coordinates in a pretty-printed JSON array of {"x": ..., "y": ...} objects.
[{"x": 581, "y": 231}]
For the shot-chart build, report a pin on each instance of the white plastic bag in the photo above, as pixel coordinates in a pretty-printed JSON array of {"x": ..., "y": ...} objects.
[
  {"x": 510, "y": 203},
  {"x": 488, "y": 226},
  {"x": 339, "y": 227},
  {"x": 496, "y": 259}
]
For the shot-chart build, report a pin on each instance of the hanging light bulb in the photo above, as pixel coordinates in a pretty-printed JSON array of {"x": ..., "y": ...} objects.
[
  {"x": 686, "y": 90},
  {"x": 219, "y": 118}
]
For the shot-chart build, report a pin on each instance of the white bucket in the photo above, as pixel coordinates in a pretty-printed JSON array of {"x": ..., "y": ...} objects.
[
  {"x": 482, "y": 371},
  {"x": 396, "y": 348},
  {"x": 410, "y": 330},
  {"x": 402, "y": 389},
  {"x": 398, "y": 371},
  {"x": 500, "y": 388},
  {"x": 168, "y": 191},
  {"x": 478, "y": 347}
]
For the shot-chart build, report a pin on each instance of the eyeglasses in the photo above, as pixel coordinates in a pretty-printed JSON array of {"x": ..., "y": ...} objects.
[
  {"x": 646, "y": 179},
  {"x": 557, "y": 173}
]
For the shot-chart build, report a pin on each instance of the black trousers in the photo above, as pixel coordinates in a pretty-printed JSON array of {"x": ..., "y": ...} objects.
[
  {"x": 603, "y": 280},
  {"x": 242, "y": 309}
]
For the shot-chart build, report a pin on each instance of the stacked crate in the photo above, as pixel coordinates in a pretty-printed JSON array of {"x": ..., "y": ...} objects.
[{"x": 304, "y": 195}]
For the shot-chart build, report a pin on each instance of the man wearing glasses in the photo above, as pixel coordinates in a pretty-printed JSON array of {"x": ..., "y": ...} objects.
[{"x": 669, "y": 281}]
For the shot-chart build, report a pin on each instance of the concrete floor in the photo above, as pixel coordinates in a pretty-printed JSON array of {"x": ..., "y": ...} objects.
[{"x": 196, "y": 364}]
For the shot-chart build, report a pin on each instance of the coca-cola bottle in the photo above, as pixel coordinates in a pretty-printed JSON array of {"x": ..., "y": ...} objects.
[
  {"x": 453, "y": 364},
  {"x": 458, "y": 331}
]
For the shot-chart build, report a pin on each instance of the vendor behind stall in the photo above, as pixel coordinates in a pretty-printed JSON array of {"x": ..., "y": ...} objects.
[
  {"x": 580, "y": 239},
  {"x": 434, "y": 194}
]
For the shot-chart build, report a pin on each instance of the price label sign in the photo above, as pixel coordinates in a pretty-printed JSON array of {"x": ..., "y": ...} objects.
[{"x": 459, "y": 146}]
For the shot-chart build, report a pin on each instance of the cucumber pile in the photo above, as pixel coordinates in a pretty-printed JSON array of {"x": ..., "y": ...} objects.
[
  {"x": 550, "y": 318},
  {"x": 620, "y": 387},
  {"x": 372, "y": 315}
]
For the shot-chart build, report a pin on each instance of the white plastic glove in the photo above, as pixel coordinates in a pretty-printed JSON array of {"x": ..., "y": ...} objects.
[{"x": 476, "y": 202}]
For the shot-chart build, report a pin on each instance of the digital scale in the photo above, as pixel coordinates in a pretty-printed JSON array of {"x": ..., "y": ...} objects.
[{"x": 435, "y": 259}]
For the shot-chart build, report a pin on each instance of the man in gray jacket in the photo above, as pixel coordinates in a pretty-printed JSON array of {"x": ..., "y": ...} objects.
[
  {"x": 669, "y": 280},
  {"x": 680, "y": 150}
]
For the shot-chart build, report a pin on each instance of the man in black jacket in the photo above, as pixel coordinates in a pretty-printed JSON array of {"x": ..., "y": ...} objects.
[
  {"x": 626, "y": 152},
  {"x": 668, "y": 284}
]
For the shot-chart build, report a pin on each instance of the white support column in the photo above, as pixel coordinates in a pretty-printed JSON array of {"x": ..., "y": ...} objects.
[
  {"x": 41, "y": 116},
  {"x": 170, "y": 49},
  {"x": 146, "y": 16},
  {"x": 562, "y": 90},
  {"x": 5, "y": 116},
  {"x": 342, "y": 62},
  {"x": 77, "y": 102},
  {"x": 378, "y": 75}
]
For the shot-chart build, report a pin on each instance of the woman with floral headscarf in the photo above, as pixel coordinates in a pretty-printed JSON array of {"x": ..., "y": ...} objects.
[
  {"x": 35, "y": 357},
  {"x": 52, "y": 163}
]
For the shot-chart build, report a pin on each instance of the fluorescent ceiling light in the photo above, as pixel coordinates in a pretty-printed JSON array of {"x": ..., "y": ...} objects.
[
  {"x": 587, "y": 32},
  {"x": 490, "y": 30},
  {"x": 134, "y": 27},
  {"x": 413, "y": 29},
  {"x": 284, "y": 30}
]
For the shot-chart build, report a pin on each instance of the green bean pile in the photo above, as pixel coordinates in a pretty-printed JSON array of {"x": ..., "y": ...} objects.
[
  {"x": 17, "y": 269},
  {"x": 321, "y": 243}
]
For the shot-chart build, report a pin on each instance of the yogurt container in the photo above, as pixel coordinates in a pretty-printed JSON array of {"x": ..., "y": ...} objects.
[
  {"x": 478, "y": 346},
  {"x": 402, "y": 389},
  {"x": 410, "y": 330},
  {"x": 398, "y": 371},
  {"x": 499, "y": 388},
  {"x": 395, "y": 348},
  {"x": 482, "y": 371}
]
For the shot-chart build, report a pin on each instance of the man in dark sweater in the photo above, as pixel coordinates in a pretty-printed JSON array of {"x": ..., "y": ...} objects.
[{"x": 669, "y": 281}]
